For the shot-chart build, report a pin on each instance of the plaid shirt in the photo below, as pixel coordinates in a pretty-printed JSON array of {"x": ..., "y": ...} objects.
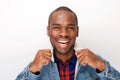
[{"x": 66, "y": 70}]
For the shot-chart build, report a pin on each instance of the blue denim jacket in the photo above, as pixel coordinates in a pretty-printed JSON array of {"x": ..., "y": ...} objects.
[{"x": 50, "y": 72}]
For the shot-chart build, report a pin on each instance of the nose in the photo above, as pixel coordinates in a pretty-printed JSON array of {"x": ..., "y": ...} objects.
[{"x": 64, "y": 32}]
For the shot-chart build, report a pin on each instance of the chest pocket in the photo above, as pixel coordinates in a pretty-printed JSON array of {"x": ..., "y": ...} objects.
[
  {"x": 87, "y": 73},
  {"x": 93, "y": 79},
  {"x": 87, "y": 78}
]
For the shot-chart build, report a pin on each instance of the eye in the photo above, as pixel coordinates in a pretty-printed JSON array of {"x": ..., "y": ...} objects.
[
  {"x": 56, "y": 27},
  {"x": 71, "y": 27}
]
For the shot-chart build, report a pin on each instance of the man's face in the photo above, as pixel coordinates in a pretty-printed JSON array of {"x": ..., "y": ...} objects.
[{"x": 62, "y": 31}]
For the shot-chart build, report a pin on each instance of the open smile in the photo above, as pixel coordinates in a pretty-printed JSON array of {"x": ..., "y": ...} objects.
[{"x": 63, "y": 43}]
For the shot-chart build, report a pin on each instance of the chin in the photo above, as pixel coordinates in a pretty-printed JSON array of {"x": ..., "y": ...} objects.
[{"x": 63, "y": 52}]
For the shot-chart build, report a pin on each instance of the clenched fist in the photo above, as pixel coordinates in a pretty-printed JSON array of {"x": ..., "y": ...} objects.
[
  {"x": 42, "y": 58},
  {"x": 85, "y": 56}
]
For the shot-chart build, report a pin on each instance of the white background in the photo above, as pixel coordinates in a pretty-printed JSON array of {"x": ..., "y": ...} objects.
[{"x": 23, "y": 30}]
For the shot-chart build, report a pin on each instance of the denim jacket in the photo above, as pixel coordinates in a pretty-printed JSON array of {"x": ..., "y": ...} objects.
[{"x": 50, "y": 72}]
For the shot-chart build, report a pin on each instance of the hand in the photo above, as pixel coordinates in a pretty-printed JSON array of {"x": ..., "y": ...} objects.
[
  {"x": 85, "y": 56},
  {"x": 42, "y": 58}
]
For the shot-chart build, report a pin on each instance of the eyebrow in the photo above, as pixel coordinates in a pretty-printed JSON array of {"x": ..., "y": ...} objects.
[
  {"x": 73, "y": 25},
  {"x": 56, "y": 24}
]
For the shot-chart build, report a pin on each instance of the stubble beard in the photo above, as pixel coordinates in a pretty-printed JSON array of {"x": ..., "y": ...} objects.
[{"x": 63, "y": 52}]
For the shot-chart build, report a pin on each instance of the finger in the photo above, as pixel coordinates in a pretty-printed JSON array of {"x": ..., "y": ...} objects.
[
  {"x": 46, "y": 62},
  {"x": 48, "y": 51},
  {"x": 83, "y": 59},
  {"x": 47, "y": 54},
  {"x": 47, "y": 57},
  {"x": 80, "y": 58},
  {"x": 83, "y": 63},
  {"x": 80, "y": 53}
]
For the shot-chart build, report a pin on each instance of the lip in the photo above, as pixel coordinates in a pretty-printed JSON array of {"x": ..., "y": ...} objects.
[
  {"x": 63, "y": 41},
  {"x": 63, "y": 44}
]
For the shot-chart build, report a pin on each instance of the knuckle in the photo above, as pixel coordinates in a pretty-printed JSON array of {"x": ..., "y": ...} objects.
[{"x": 87, "y": 49}]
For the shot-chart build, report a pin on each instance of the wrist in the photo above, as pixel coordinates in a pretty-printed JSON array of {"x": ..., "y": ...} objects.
[
  {"x": 33, "y": 69},
  {"x": 36, "y": 73},
  {"x": 101, "y": 66}
]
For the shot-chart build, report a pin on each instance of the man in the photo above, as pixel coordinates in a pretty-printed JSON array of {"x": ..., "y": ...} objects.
[{"x": 63, "y": 62}]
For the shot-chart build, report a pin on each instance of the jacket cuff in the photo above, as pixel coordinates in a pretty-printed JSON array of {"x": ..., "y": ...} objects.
[
  {"x": 28, "y": 75},
  {"x": 106, "y": 72},
  {"x": 109, "y": 72}
]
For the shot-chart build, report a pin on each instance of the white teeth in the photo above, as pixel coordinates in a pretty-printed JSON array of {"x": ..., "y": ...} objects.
[{"x": 63, "y": 41}]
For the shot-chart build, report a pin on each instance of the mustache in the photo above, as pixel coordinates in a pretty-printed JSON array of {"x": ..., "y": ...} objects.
[{"x": 64, "y": 38}]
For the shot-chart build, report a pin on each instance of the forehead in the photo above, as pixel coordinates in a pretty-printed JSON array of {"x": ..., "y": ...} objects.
[
  {"x": 62, "y": 15},
  {"x": 62, "y": 12}
]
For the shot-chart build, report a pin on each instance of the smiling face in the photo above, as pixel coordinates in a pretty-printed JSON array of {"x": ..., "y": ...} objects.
[{"x": 62, "y": 31}]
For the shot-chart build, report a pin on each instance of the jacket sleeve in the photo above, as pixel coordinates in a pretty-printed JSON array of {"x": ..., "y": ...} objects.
[
  {"x": 109, "y": 73},
  {"x": 27, "y": 75}
]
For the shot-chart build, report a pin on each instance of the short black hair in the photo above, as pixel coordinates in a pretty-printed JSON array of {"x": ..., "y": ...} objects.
[{"x": 63, "y": 8}]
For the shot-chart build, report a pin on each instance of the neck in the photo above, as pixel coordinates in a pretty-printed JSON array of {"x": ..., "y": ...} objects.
[{"x": 65, "y": 58}]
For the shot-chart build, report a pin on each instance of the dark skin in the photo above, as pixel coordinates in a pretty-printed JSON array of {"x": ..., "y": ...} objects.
[{"x": 63, "y": 32}]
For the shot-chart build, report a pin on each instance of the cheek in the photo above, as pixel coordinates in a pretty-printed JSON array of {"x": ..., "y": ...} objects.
[
  {"x": 54, "y": 34},
  {"x": 73, "y": 35}
]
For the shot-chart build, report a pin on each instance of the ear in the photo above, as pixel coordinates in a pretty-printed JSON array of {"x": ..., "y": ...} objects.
[
  {"x": 48, "y": 30},
  {"x": 77, "y": 31}
]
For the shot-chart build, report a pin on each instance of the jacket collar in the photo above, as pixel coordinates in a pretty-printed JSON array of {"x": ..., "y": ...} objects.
[{"x": 77, "y": 67}]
